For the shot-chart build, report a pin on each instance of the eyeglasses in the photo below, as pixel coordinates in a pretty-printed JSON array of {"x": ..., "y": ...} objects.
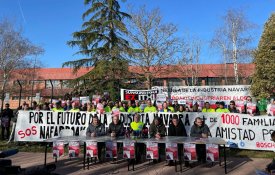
[
  {"x": 249, "y": 99},
  {"x": 232, "y": 104}
]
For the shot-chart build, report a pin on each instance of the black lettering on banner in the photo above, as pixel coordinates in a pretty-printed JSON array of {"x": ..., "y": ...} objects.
[
  {"x": 90, "y": 118},
  {"x": 129, "y": 119},
  {"x": 213, "y": 120},
  {"x": 49, "y": 114},
  {"x": 230, "y": 133},
  {"x": 78, "y": 116},
  {"x": 36, "y": 117},
  {"x": 71, "y": 117},
  {"x": 181, "y": 118},
  {"x": 60, "y": 118},
  {"x": 105, "y": 122},
  {"x": 187, "y": 122},
  {"x": 122, "y": 118},
  {"x": 83, "y": 118},
  {"x": 266, "y": 132},
  {"x": 147, "y": 121}
]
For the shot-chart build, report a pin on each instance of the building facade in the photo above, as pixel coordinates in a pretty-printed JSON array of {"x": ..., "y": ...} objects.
[{"x": 44, "y": 84}]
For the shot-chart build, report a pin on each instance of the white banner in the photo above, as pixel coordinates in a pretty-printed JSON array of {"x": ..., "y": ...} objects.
[
  {"x": 206, "y": 93},
  {"x": 239, "y": 130}
]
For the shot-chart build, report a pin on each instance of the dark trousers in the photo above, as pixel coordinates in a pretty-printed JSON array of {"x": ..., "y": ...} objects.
[
  {"x": 100, "y": 147},
  {"x": 201, "y": 152},
  {"x": 7, "y": 129}
]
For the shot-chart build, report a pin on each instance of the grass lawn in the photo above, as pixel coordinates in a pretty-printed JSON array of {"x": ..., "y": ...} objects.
[{"x": 39, "y": 147}]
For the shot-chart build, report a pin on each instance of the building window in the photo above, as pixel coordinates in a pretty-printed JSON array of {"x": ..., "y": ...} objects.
[
  {"x": 213, "y": 81},
  {"x": 174, "y": 82},
  {"x": 56, "y": 84},
  {"x": 158, "y": 82}
]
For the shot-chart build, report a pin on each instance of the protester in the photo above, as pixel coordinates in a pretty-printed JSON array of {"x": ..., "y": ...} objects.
[
  {"x": 133, "y": 108},
  {"x": 232, "y": 107},
  {"x": 176, "y": 128},
  {"x": 116, "y": 128},
  {"x": 270, "y": 109},
  {"x": 207, "y": 107},
  {"x": 106, "y": 106},
  {"x": 170, "y": 106},
  {"x": 157, "y": 128},
  {"x": 96, "y": 129},
  {"x": 137, "y": 126},
  {"x": 6, "y": 116},
  {"x": 176, "y": 106},
  {"x": 74, "y": 107},
  {"x": 91, "y": 107},
  {"x": 181, "y": 108},
  {"x": 68, "y": 105},
  {"x": 165, "y": 108},
  {"x": 138, "y": 129},
  {"x": 221, "y": 108},
  {"x": 251, "y": 105},
  {"x": 195, "y": 108},
  {"x": 58, "y": 107},
  {"x": 149, "y": 107},
  {"x": 201, "y": 130}
]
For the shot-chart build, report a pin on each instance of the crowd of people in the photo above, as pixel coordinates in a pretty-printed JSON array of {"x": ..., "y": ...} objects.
[{"x": 105, "y": 106}]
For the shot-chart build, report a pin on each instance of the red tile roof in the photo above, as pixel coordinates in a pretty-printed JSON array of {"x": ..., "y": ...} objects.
[{"x": 168, "y": 71}]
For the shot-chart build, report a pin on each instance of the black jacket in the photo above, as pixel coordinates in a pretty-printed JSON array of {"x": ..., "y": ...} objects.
[
  {"x": 7, "y": 114},
  {"x": 153, "y": 130},
  {"x": 99, "y": 129},
  {"x": 118, "y": 129},
  {"x": 197, "y": 131},
  {"x": 177, "y": 130}
]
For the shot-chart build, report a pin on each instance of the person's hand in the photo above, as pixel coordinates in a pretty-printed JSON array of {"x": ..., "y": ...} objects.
[
  {"x": 204, "y": 135},
  {"x": 113, "y": 134},
  {"x": 158, "y": 136},
  {"x": 93, "y": 134}
]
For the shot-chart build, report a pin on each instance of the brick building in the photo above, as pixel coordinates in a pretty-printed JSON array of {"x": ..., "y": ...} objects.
[{"x": 40, "y": 81}]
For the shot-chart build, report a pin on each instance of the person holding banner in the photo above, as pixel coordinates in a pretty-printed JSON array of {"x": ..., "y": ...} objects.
[
  {"x": 200, "y": 130},
  {"x": 150, "y": 107},
  {"x": 207, "y": 108}
]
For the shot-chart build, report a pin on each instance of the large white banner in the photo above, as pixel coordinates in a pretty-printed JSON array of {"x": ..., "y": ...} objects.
[
  {"x": 239, "y": 130},
  {"x": 206, "y": 93}
]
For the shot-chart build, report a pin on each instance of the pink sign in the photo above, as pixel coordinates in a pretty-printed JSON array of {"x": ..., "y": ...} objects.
[
  {"x": 91, "y": 149},
  {"x": 58, "y": 149},
  {"x": 212, "y": 152},
  {"x": 111, "y": 149},
  {"x": 74, "y": 148},
  {"x": 171, "y": 151},
  {"x": 152, "y": 150},
  {"x": 240, "y": 106},
  {"x": 129, "y": 150},
  {"x": 251, "y": 108},
  {"x": 190, "y": 153}
]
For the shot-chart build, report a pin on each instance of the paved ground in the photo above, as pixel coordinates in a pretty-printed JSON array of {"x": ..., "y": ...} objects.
[{"x": 236, "y": 166}]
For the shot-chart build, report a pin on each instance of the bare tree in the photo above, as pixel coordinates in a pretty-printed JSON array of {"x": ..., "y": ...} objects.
[
  {"x": 154, "y": 42},
  {"x": 188, "y": 64},
  {"x": 233, "y": 38},
  {"x": 15, "y": 52}
]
